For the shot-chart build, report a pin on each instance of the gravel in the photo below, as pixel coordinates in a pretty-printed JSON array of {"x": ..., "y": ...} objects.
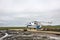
[{"x": 20, "y": 35}]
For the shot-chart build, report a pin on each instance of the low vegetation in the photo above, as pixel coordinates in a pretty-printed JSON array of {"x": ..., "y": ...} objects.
[
  {"x": 49, "y": 27},
  {"x": 5, "y": 28},
  {"x": 57, "y": 26}
]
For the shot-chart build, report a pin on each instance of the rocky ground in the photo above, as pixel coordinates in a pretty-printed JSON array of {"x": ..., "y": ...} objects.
[{"x": 26, "y": 35}]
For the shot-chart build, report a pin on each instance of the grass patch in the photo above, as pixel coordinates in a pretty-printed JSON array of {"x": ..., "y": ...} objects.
[
  {"x": 5, "y": 28},
  {"x": 51, "y": 27}
]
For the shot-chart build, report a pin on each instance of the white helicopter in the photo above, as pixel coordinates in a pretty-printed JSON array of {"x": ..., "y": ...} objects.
[{"x": 36, "y": 24}]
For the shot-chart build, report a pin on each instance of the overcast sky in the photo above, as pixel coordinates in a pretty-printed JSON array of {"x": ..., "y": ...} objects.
[{"x": 19, "y": 12}]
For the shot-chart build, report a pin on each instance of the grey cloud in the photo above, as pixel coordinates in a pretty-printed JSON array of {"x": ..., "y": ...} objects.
[{"x": 23, "y": 11}]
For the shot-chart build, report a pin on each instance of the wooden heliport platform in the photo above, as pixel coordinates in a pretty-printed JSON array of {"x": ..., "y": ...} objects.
[
  {"x": 39, "y": 31},
  {"x": 48, "y": 32}
]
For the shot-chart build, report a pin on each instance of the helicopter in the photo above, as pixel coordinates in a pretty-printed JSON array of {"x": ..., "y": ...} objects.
[{"x": 37, "y": 24}]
